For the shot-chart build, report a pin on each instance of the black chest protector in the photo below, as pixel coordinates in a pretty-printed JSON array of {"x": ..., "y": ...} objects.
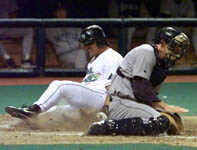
[{"x": 160, "y": 70}]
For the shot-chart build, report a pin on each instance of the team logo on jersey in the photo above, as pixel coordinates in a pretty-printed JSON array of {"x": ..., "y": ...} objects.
[{"x": 91, "y": 77}]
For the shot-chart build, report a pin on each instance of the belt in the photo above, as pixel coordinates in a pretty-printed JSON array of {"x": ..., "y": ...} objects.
[
  {"x": 122, "y": 75},
  {"x": 119, "y": 73}
]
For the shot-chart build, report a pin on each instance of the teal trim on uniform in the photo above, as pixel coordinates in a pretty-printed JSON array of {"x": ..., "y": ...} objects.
[
  {"x": 96, "y": 147},
  {"x": 183, "y": 94}
]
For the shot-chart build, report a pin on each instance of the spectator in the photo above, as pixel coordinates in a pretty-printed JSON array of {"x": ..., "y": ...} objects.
[
  {"x": 8, "y": 9},
  {"x": 66, "y": 42}
]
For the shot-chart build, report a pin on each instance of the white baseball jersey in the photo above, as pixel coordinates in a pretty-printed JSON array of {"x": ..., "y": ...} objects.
[
  {"x": 90, "y": 94},
  {"x": 101, "y": 69}
]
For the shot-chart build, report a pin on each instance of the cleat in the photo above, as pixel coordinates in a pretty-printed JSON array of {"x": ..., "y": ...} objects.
[{"x": 22, "y": 113}]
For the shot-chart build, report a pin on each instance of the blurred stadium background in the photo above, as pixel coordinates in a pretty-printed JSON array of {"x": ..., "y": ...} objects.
[{"x": 38, "y": 15}]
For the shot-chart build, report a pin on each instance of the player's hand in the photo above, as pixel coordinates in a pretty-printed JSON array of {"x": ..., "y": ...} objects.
[{"x": 176, "y": 109}]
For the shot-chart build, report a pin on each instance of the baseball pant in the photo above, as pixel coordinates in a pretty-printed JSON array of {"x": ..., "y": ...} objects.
[
  {"x": 123, "y": 108},
  {"x": 77, "y": 95}
]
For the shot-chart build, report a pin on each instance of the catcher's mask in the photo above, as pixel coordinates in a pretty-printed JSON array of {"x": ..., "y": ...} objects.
[
  {"x": 177, "y": 47},
  {"x": 177, "y": 41},
  {"x": 91, "y": 34}
]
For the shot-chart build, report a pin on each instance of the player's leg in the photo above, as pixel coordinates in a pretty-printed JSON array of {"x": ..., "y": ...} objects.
[
  {"x": 75, "y": 94},
  {"x": 130, "y": 126},
  {"x": 121, "y": 109},
  {"x": 131, "y": 118}
]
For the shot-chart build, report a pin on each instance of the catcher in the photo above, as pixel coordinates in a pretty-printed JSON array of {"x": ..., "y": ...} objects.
[{"x": 135, "y": 108}]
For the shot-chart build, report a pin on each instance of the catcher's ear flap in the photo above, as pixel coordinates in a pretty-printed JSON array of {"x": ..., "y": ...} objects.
[{"x": 176, "y": 125}]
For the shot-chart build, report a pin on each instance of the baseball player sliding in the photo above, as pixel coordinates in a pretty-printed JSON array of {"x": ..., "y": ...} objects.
[
  {"x": 89, "y": 95},
  {"x": 135, "y": 108}
]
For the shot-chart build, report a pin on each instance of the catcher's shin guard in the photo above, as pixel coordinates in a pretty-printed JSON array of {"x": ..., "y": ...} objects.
[
  {"x": 130, "y": 126},
  {"x": 117, "y": 127},
  {"x": 157, "y": 126}
]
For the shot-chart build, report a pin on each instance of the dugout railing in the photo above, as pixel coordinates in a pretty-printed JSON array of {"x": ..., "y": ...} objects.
[{"x": 121, "y": 23}]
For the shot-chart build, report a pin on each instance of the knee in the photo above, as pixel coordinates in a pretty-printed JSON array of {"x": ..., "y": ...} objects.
[{"x": 59, "y": 84}]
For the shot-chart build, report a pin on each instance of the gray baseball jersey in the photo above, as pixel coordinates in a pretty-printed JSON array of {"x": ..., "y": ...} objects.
[{"x": 138, "y": 62}]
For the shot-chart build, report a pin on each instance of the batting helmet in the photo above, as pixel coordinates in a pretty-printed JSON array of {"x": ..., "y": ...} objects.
[
  {"x": 93, "y": 33},
  {"x": 177, "y": 41}
]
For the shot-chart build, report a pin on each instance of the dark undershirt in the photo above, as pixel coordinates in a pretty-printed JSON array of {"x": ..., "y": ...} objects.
[{"x": 143, "y": 91}]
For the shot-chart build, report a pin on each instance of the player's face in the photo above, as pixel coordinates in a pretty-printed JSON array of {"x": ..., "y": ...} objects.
[
  {"x": 162, "y": 50},
  {"x": 92, "y": 49}
]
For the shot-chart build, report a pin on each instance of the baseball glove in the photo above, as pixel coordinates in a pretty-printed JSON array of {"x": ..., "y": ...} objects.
[{"x": 176, "y": 125}]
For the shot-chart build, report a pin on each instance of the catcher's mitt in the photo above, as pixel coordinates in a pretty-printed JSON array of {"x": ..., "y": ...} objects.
[{"x": 176, "y": 125}]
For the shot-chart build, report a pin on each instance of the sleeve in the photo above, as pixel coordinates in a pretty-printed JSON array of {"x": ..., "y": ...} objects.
[
  {"x": 146, "y": 94},
  {"x": 144, "y": 63}
]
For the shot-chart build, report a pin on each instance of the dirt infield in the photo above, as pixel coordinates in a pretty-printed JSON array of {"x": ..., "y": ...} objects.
[{"x": 15, "y": 131}]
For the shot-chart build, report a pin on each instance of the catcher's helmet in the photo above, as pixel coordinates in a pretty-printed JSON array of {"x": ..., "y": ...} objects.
[
  {"x": 93, "y": 33},
  {"x": 177, "y": 41}
]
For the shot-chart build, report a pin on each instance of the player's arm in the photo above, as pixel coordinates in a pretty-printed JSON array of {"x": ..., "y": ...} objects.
[
  {"x": 105, "y": 108},
  {"x": 143, "y": 90},
  {"x": 147, "y": 95},
  {"x": 169, "y": 108},
  {"x": 107, "y": 97}
]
